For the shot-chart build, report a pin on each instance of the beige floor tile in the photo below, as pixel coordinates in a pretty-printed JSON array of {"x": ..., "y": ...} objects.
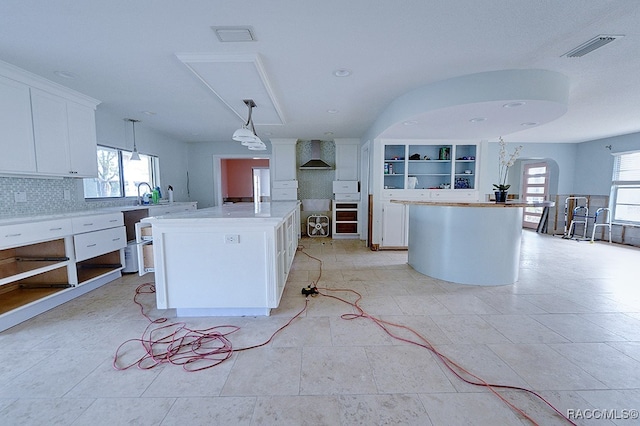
[{"x": 570, "y": 327}]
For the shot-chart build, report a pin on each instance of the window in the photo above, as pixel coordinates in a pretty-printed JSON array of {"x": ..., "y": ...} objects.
[
  {"x": 625, "y": 189},
  {"x": 118, "y": 176}
]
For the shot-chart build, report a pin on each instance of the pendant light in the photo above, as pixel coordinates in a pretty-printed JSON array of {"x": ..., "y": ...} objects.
[
  {"x": 246, "y": 135},
  {"x": 134, "y": 155}
]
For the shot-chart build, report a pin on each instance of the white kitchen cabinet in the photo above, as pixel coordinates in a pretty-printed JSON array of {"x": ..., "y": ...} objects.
[
  {"x": 345, "y": 219},
  {"x": 44, "y": 263},
  {"x": 417, "y": 169},
  {"x": 283, "y": 159},
  {"x": 82, "y": 140},
  {"x": 16, "y": 143},
  {"x": 347, "y": 159},
  {"x": 49, "y": 132},
  {"x": 395, "y": 229},
  {"x": 65, "y": 136},
  {"x": 225, "y": 260},
  {"x": 284, "y": 190}
]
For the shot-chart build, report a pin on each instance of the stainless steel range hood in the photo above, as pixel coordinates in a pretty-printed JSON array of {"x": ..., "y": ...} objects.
[{"x": 316, "y": 163}]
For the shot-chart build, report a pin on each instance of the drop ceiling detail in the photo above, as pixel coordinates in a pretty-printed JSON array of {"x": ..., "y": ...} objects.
[{"x": 233, "y": 78}]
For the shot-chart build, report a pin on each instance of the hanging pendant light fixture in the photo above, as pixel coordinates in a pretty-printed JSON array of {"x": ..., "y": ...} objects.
[
  {"x": 246, "y": 135},
  {"x": 134, "y": 155}
]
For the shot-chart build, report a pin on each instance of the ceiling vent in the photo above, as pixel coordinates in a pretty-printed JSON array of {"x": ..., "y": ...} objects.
[
  {"x": 233, "y": 34},
  {"x": 591, "y": 45}
]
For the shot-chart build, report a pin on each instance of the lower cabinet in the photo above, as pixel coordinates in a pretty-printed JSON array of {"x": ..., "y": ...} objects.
[
  {"x": 345, "y": 220},
  {"x": 395, "y": 225},
  {"x": 46, "y": 263}
]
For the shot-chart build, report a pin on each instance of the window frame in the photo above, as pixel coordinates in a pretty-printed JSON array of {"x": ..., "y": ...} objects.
[
  {"x": 617, "y": 184},
  {"x": 154, "y": 173}
]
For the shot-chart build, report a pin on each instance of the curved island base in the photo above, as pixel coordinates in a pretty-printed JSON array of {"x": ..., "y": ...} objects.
[{"x": 466, "y": 243}]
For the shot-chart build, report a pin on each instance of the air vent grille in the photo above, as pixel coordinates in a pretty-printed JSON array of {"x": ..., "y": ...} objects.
[{"x": 591, "y": 45}]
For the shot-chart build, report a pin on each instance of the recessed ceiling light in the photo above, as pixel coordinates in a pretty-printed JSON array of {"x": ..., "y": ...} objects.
[
  {"x": 513, "y": 104},
  {"x": 148, "y": 112},
  {"x": 332, "y": 111},
  {"x": 328, "y": 133},
  {"x": 342, "y": 72},
  {"x": 478, "y": 120},
  {"x": 65, "y": 74},
  {"x": 529, "y": 123},
  {"x": 410, "y": 123}
]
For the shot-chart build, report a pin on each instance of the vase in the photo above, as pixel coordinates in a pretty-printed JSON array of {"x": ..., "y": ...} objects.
[{"x": 501, "y": 196}]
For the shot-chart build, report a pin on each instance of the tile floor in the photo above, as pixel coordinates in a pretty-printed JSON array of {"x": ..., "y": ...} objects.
[{"x": 569, "y": 329}]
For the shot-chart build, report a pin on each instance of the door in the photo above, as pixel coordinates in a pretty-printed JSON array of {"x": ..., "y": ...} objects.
[
  {"x": 395, "y": 222},
  {"x": 535, "y": 188},
  {"x": 144, "y": 248}
]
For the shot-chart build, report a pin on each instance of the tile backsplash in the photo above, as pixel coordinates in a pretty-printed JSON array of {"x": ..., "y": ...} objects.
[{"x": 47, "y": 196}]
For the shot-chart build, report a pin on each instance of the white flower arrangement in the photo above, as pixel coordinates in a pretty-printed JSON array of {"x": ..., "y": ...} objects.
[{"x": 504, "y": 164}]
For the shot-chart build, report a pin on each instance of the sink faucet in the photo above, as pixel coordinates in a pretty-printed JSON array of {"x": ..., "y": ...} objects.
[{"x": 139, "y": 197}]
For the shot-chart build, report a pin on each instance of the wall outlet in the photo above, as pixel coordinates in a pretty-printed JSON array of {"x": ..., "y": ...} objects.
[
  {"x": 67, "y": 194},
  {"x": 232, "y": 239},
  {"x": 20, "y": 196}
]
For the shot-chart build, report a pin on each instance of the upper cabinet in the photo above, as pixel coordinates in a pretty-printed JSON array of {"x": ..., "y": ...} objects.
[
  {"x": 283, "y": 159},
  {"x": 45, "y": 129},
  {"x": 347, "y": 156},
  {"x": 431, "y": 170},
  {"x": 65, "y": 136},
  {"x": 16, "y": 131}
]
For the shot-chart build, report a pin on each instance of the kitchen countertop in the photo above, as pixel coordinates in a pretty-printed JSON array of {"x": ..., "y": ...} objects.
[
  {"x": 512, "y": 203},
  {"x": 275, "y": 210},
  {"x": 89, "y": 212}
]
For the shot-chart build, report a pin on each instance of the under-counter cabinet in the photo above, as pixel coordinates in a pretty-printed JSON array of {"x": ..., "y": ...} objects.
[
  {"x": 46, "y": 263},
  {"x": 345, "y": 220}
]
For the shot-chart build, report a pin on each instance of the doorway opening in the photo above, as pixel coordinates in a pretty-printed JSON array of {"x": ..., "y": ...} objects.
[{"x": 243, "y": 180}]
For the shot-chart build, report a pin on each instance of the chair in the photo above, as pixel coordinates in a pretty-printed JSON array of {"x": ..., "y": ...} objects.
[{"x": 606, "y": 213}]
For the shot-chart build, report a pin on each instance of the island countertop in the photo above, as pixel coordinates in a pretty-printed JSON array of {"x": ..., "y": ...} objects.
[
  {"x": 512, "y": 203},
  {"x": 277, "y": 210}
]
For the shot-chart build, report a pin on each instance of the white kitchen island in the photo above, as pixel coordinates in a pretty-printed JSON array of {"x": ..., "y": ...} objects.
[{"x": 229, "y": 260}]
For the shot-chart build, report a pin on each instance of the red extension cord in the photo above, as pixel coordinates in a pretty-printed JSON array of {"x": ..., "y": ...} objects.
[{"x": 195, "y": 350}]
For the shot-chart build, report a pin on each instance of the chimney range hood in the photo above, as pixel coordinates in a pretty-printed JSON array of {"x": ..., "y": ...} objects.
[{"x": 316, "y": 162}]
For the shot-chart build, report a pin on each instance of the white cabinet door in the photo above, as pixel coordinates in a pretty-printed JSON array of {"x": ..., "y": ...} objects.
[
  {"x": 82, "y": 140},
  {"x": 50, "y": 132},
  {"x": 395, "y": 225},
  {"x": 283, "y": 159},
  {"x": 65, "y": 136},
  {"x": 16, "y": 143},
  {"x": 347, "y": 161}
]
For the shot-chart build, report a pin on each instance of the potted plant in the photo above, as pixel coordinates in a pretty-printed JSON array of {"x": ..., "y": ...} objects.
[{"x": 501, "y": 188}]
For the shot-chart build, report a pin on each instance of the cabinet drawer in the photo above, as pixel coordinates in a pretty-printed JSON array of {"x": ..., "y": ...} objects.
[
  {"x": 92, "y": 244},
  {"x": 162, "y": 209},
  {"x": 346, "y": 216},
  {"x": 283, "y": 194},
  {"x": 347, "y": 197},
  {"x": 96, "y": 222},
  {"x": 280, "y": 184},
  {"x": 345, "y": 186},
  {"x": 26, "y": 233}
]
